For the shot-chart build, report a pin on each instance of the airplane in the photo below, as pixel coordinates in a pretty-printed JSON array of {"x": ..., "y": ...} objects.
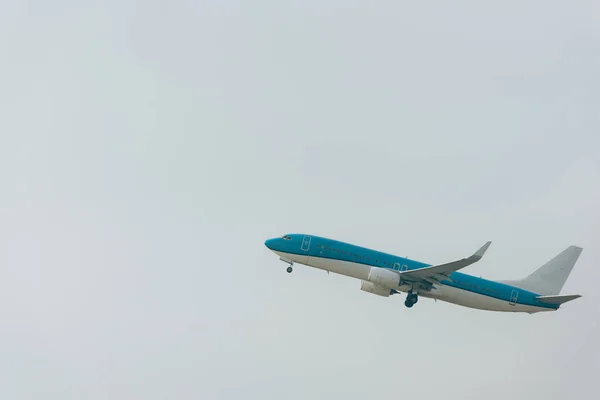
[{"x": 385, "y": 274}]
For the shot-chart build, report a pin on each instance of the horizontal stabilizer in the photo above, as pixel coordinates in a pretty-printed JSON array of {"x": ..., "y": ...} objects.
[{"x": 560, "y": 299}]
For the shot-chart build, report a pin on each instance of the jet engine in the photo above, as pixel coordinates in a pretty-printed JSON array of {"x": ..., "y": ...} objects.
[
  {"x": 384, "y": 277},
  {"x": 370, "y": 287}
]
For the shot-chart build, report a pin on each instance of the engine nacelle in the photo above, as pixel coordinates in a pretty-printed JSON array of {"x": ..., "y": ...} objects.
[
  {"x": 384, "y": 277},
  {"x": 375, "y": 289}
]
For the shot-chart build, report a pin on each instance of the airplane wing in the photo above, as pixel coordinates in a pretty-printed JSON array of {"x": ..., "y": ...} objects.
[{"x": 437, "y": 273}]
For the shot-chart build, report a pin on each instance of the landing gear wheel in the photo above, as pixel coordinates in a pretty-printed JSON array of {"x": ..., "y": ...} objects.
[
  {"x": 289, "y": 269},
  {"x": 411, "y": 300}
]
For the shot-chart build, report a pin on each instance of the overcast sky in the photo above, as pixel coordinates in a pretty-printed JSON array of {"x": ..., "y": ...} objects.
[{"x": 148, "y": 149}]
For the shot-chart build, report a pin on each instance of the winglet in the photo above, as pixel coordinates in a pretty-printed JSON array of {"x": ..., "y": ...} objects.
[{"x": 479, "y": 253}]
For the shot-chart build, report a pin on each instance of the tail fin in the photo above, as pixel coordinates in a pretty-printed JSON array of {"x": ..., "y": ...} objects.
[{"x": 550, "y": 278}]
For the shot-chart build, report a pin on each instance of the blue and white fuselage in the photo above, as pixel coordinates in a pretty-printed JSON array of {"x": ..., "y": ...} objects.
[{"x": 385, "y": 274}]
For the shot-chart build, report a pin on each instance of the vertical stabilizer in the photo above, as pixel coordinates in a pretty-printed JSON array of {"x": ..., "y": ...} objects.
[{"x": 550, "y": 278}]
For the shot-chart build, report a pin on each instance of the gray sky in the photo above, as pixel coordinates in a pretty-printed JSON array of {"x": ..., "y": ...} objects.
[{"x": 147, "y": 151}]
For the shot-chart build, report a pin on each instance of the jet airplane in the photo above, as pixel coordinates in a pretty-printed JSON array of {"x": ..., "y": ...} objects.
[{"x": 385, "y": 274}]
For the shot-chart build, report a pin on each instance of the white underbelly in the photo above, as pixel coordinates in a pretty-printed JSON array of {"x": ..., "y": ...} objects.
[
  {"x": 297, "y": 258},
  {"x": 347, "y": 268},
  {"x": 479, "y": 301}
]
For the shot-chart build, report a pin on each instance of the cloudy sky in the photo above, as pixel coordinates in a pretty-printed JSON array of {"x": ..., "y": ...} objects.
[{"x": 147, "y": 150}]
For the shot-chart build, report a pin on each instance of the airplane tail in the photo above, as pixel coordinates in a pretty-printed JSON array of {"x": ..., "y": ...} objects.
[{"x": 549, "y": 279}]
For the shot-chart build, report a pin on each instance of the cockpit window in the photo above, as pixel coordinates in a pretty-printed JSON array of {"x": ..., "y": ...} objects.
[{"x": 286, "y": 238}]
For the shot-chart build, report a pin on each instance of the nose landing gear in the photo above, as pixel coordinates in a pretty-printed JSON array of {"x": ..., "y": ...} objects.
[{"x": 287, "y": 261}]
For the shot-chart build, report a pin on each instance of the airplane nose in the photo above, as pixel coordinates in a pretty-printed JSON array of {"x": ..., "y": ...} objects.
[{"x": 269, "y": 243}]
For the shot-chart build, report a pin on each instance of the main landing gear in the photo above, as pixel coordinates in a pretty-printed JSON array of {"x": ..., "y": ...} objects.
[{"x": 411, "y": 299}]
